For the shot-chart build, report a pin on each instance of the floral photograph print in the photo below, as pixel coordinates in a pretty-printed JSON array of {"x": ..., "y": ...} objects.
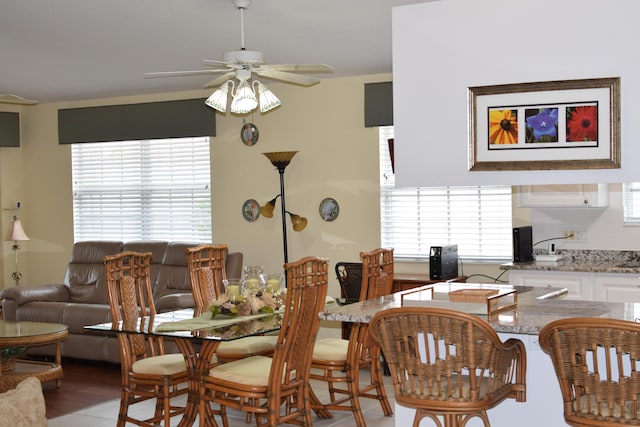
[
  {"x": 542, "y": 125},
  {"x": 503, "y": 126},
  {"x": 582, "y": 123},
  {"x": 573, "y": 124}
]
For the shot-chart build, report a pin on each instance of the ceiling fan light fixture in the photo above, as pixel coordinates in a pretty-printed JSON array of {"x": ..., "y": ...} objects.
[
  {"x": 268, "y": 100},
  {"x": 244, "y": 101},
  {"x": 218, "y": 99}
]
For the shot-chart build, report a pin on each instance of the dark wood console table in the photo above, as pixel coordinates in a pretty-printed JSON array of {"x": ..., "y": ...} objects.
[{"x": 405, "y": 281}]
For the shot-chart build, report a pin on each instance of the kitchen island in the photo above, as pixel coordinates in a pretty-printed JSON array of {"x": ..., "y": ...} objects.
[{"x": 536, "y": 306}]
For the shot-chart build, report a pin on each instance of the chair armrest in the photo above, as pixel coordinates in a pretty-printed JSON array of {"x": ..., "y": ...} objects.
[{"x": 25, "y": 294}]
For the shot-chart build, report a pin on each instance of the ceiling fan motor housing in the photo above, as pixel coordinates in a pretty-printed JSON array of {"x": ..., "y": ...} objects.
[{"x": 249, "y": 57}]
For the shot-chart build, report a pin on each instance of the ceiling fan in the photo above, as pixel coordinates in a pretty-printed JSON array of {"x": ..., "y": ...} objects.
[
  {"x": 241, "y": 65},
  {"x": 6, "y": 98}
]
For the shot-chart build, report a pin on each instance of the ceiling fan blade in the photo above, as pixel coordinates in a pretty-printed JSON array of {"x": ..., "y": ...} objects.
[
  {"x": 15, "y": 99},
  {"x": 219, "y": 80},
  {"x": 215, "y": 62},
  {"x": 288, "y": 77},
  {"x": 300, "y": 68},
  {"x": 181, "y": 73}
]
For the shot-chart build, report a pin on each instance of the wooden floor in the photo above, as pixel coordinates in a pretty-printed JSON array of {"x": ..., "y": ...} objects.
[{"x": 85, "y": 384}]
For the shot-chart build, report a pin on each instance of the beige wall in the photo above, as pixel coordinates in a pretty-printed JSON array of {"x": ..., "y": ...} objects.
[{"x": 338, "y": 157}]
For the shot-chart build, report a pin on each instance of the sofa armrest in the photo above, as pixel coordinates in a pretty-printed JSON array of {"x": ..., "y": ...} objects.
[
  {"x": 24, "y": 294},
  {"x": 176, "y": 301}
]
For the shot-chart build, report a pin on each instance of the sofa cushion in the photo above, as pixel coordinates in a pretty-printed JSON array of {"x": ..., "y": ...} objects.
[
  {"x": 85, "y": 272},
  {"x": 42, "y": 311},
  {"x": 24, "y": 406},
  {"x": 173, "y": 275},
  {"x": 77, "y": 316},
  {"x": 156, "y": 247}
]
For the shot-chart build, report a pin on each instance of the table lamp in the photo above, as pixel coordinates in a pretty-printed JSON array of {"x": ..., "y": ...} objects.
[{"x": 16, "y": 234}]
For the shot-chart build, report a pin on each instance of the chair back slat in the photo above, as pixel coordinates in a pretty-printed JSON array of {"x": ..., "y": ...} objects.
[
  {"x": 128, "y": 277},
  {"x": 307, "y": 281},
  {"x": 596, "y": 361},
  {"x": 206, "y": 264},
  {"x": 377, "y": 273}
]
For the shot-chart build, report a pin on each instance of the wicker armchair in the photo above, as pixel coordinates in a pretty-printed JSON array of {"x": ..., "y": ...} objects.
[
  {"x": 276, "y": 389},
  {"x": 338, "y": 361},
  {"x": 448, "y": 364},
  {"x": 147, "y": 372},
  {"x": 206, "y": 264},
  {"x": 596, "y": 361}
]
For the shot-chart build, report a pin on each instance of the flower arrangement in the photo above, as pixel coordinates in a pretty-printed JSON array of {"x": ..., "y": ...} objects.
[{"x": 245, "y": 305}]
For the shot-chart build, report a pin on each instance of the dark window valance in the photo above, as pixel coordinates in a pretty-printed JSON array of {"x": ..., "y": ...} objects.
[
  {"x": 152, "y": 120},
  {"x": 9, "y": 129},
  {"x": 378, "y": 104}
]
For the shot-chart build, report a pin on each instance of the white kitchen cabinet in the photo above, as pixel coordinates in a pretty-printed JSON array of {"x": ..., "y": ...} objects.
[
  {"x": 577, "y": 283},
  {"x": 570, "y": 195},
  {"x": 588, "y": 286},
  {"x": 617, "y": 287}
]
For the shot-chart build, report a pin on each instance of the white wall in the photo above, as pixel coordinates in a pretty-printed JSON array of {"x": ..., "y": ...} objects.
[{"x": 442, "y": 48}]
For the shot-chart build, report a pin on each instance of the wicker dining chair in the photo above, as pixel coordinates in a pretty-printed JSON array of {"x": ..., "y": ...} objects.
[
  {"x": 147, "y": 371},
  {"x": 338, "y": 361},
  {"x": 596, "y": 361},
  {"x": 448, "y": 364},
  {"x": 276, "y": 390},
  {"x": 206, "y": 264}
]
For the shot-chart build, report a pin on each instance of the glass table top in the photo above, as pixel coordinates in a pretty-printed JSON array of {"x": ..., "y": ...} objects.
[
  {"x": 221, "y": 328},
  {"x": 9, "y": 329}
]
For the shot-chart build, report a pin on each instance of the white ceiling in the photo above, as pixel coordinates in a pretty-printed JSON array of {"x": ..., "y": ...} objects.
[{"x": 67, "y": 50}]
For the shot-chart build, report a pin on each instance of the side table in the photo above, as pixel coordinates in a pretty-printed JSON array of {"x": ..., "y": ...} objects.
[{"x": 31, "y": 334}]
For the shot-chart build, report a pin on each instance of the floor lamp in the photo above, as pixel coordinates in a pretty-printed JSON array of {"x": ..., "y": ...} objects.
[
  {"x": 16, "y": 234},
  {"x": 281, "y": 160}
]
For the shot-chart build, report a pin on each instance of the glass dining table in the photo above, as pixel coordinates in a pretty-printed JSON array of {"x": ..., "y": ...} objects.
[{"x": 197, "y": 336}]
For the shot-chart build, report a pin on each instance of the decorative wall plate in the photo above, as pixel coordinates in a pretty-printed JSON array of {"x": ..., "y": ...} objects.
[
  {"x": 251, "y": 210},
  {"x": 249, "y": 134},
  {"x": 329, "y": 209}
]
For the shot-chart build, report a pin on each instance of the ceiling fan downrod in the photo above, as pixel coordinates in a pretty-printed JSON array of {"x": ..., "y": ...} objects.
[{"x": 241, "y": 5}]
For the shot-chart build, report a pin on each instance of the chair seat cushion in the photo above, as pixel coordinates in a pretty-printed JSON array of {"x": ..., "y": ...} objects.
[
  {"x": 165, "y": 364},
  {"x": 330, "y": 349},
  {"x": 253, "y": 370},
  {"x": 248, "y": 345}
]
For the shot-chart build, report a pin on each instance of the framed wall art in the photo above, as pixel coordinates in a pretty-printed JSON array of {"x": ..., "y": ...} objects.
[{"x": 571, "y": 124}]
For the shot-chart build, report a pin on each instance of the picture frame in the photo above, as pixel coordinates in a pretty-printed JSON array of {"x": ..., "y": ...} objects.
[{"x": 568, "y": 124}]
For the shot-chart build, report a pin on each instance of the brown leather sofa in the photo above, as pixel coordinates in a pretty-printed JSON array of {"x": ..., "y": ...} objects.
[{"x": 81, "y": 299}]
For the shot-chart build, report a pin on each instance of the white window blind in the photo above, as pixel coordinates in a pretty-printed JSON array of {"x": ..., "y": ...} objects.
[
  {"x": 133, "y": 190},
  {"x": 631, "y": 202},
  {"x": 476, "y": 218}
]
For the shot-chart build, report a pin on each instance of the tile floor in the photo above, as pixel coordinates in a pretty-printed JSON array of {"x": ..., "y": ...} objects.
[{"x": 106, "y": 414}]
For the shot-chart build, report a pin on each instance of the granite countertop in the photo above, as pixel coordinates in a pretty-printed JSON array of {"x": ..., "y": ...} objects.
[
  {"x": 596, "y": 261},
  {"x": 533, "y": 310}
]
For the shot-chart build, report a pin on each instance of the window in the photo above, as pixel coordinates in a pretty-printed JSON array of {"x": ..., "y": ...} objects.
[
  {"x": 476, "y": 218},
  {"x": 134, "y": 190},
  {"x": 631, "y": 203}
]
